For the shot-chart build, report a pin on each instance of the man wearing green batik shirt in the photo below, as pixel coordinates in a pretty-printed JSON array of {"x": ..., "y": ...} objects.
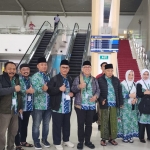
[
  {"x": 10, "y": 105},
  {"x": 41, "y": 106}
]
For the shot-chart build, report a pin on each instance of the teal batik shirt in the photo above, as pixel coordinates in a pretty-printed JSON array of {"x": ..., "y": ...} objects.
[
  {"x": 27, "y": 98},
  {"x": 65, "y": 105},
  {"x": 87, "y": 94},
  {"x": 14, "y": 98},
  {"x": 41, "y": 98},
  {"x": 111, "y": 98}
]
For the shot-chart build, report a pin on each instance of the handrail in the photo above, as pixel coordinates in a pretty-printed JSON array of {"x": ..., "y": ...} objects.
[
  {"x": 69, "y": 50},
  {"x": 33, "y": 41},
  {"x": 50, "y": 45},
  {"x": 86, "y": 43},
  {"x": 61, "y": 24}
]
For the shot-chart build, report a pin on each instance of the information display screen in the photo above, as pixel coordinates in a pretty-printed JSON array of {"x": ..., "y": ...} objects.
[{"x": 104, "y": 43}]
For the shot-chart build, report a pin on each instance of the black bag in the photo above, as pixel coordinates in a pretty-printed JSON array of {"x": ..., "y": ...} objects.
[
  {"x": 144, "y": 105},
  {"x": 95, "y": 117}
]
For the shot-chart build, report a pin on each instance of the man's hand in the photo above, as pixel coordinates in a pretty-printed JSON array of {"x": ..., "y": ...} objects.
[
  {"x": 82, "y": 85},
  {"x": 21, "y": 111},
  {"x": 70, "y": 94},
  {"x": 62, "y": 88},
  {"x": 103, "y": 102},
  {"x": 30, "y": 90},
  {"x": 45, "y": 87},
  {"x": 17, "y": 88},
  {"x": 93, "y": 99}
]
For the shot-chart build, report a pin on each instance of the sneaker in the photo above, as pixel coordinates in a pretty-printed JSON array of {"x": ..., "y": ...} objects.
[
  {"x": 80, "y": 146},
  {"x": 37, "y": 146},
  {"x": 131, "y": 140},
  {"x": 69, "y": 144},
  {"x": 59, "y": 147},
  {"x": 90, "y": 145},
  {"x": 45, "y": 143},
  {"x": 125, "y": 141}
]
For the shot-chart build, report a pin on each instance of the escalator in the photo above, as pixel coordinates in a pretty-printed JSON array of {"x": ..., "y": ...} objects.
[
  {"x": 78, "y": 54},
  {"x": 40, "y": 50},
  {"x": 41, "y": 46}
]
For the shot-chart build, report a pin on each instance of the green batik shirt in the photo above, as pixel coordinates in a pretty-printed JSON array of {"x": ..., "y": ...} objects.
[
  {"x": 14, "y": 97},
  {"x": 40, "y": 96},
  {"x": 24, "y": 95},
  {"x": 111, "y": 98},
  {"x": 87, "y": 94}
]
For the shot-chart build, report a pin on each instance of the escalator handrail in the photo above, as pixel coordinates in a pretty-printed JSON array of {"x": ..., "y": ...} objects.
[
  {"x": 52, "y": 39},
  {"x": 71, "y": 40},
  {"x": 86, "y": 43},
  {"x": 33, "y": 41},
  {"x": 61, "y": 24}
]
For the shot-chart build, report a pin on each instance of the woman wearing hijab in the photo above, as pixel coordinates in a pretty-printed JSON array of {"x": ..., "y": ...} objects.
[
  {"x": 128, "y": 120},
  {"x": 143, "y": 89}
]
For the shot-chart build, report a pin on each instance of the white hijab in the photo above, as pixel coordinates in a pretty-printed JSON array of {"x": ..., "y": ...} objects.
[
  {"x": 145, "y": 83},
  {"x": 129, "y": 85}
]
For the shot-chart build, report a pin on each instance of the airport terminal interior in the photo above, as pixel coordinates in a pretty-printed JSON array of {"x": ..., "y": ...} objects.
[{"x": 112, "y": 31}]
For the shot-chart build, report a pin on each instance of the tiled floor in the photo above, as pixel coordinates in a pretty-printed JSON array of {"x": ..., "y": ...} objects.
[{"x": 95, "y": 138}]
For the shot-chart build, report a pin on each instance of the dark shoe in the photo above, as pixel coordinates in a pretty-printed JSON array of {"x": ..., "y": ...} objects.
[
  {"x": 80, "y": 146},
  {"x": 148, "y": 139},
  {"x": 90, "y": 145},
  {"x": 45, "y": 143},
  {"x": 37, "y": 146},
  {"x": 99, "y": 127},
  {"x": 142, "y": 141}
]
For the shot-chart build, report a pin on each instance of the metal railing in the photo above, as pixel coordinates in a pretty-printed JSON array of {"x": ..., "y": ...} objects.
[
  {"x": 32, "y": 48},
  {"x": 71, "y": 43},
  {"x": 141, "y": 55},
  {"x": 87, "y": 42}
]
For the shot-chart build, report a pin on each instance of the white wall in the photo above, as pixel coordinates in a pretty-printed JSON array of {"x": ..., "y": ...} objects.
[
  {"x": 13, "y": 43},
  {"x": 70, "y": 21}
]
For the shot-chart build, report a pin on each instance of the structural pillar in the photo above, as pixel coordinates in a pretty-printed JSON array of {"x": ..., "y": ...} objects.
[{"x": 97, "y": 6}]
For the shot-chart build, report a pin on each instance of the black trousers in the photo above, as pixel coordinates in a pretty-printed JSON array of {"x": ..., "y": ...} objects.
[
  {"x": 23, "y": 128},
  {"x": 61, "y": 124},
  {"x": 55, "y": 24},
  {"x": 84, "y": 117},
  {"x": 142, "y": 128}
]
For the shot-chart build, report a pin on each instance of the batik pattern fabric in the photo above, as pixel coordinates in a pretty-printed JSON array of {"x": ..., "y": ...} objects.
[
  {"x": 65, "y": 105},
  {"x": 25, "y": 84},
  {"x": 127, "y": 119},
  {"x": 14, "y": 97},
  {"x": 111, "y": 98},
  {"x": 143, "y": 118},
  {"x": 109, "y": 123},
  {"x": 41, "y": 98},
  {"x": 87, "y": 94}
]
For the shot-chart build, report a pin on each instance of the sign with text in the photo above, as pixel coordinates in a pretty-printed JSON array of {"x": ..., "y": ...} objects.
[
  {"x": 104, "y": 43},
  {"x": 103, "y": 58}
]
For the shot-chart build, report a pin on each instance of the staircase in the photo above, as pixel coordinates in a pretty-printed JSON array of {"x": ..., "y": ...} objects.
[
  {"x": 77, "y": 55},
  {"x": 126, "y": 61},
  {"x": 40, "y": 51}
]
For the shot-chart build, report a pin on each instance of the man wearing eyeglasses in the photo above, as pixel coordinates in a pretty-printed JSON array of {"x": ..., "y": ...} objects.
[
  {"x": 86, "y": 91},
  {"x": 61, "y": 95}
]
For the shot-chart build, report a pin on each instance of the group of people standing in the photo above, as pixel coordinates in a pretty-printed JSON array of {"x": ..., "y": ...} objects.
[{"x": 43, "y": 97}]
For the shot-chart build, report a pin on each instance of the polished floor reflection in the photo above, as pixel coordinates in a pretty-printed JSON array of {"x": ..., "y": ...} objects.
[{"x": 95, "y": 138}]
